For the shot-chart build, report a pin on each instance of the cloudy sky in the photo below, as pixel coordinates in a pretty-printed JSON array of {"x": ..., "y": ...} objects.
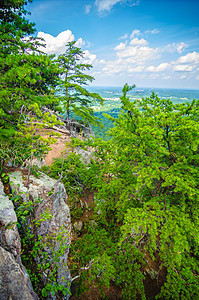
[{"x": 150, "y": 43}]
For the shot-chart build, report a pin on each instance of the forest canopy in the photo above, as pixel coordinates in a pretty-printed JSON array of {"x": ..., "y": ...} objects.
[{"x": 145, "y": 180}]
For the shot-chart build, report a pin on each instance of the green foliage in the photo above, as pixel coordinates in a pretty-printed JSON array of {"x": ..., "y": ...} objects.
[
  {"x": 13, "y": 149},
  {"x": 91, "y": 257},
  {"x": 103, "y": 131},
  {"x": 73, "y": 94},
  {"x": 129, "y": 262},
  {"x": 146, "y": 180},
  {"x": 153, "y": 185},
  {"x": 28, "y": 81},
  {"x": 76, "y": 213},
  {"x": 27, "y": 78},
  {"x": 72, "y": 171},
  {"x": 14, "y": 26},
  {"x": 3, "y": 176}
]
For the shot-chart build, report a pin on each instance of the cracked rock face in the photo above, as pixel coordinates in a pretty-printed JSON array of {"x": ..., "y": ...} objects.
[
  {"x": 14, "y": 280},
  {"x": 53, "y": 198},
  {"x": 9, "y": 236}
]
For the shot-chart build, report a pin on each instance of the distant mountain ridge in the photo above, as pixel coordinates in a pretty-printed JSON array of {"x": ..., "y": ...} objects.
[
  {"x": 112, "y": 102},
  {"x": 176, "y": 95}
]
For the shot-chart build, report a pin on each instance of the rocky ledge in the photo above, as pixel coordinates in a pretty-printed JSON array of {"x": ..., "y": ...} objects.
[{"x": 49, "y": 196}]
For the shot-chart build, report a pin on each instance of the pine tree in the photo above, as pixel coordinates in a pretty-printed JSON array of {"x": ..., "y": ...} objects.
[
  {"x": 75, "y": 98},
  {"x": 27, "y": 77}
]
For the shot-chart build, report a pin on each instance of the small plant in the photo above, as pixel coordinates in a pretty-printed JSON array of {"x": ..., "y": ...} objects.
[
  {"x": 35, "y": 171},
  {"x": 45, "y": 169},
  {"x": 73, "y": 173},
  {"x": 76, "y": 213},
  {"x": 4, "y": 177},
  {"x": 56, "y": 245}
]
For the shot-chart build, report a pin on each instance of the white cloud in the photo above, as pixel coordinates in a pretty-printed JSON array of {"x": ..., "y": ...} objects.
[
  {"x": 162, "y": 67},
  {"x": 103, "y": 5},
  {"x": 134, "y": 3},
  {"x": 130, "y": 60},
  {"x": 121, "y": 46},
  {"x": 113, "y": 67},
  {"x": 134, "y": 33},
  {"x": 181, "y": 47},
  {"x": 124, "y": 37},
  {"x": 134, "y": 58},
  {"x": 181, "y": 68},
  {"x": 79, "y": 43},
  {"x": 159, "y": 68},
  {"x": 137, "y": 69},
  {"x": 138, "y": 54},
  {"x": 153, "y": 76},
  {"x": 172, "y": 48},
  {"x": 183, "y": 77},
  {"x": 87, "y": 8},
  {"x": 56, "y": 45},
  {"x": 136, "y": 41},
  {"x": 167, "y": 77},
  {"x": 107, "y": 5},
  {"x": 153, "y": 31},
  {"x": 151, "y": 69},
  {"x": 128, "y": 52},
  {"x": 88, "y": 57},
  {"x": 102, "y": 61},
  {"x": 189, "y": 58}
]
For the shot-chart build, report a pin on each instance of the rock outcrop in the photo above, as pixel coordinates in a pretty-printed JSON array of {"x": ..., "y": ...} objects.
[
  {"x": 79, "y": 130},
  {"x": 85, "y": 155},
  {"x": 51, "y": 197},
  {"x": 14, "y": 280},
  {"x": 47, "y": 195}
]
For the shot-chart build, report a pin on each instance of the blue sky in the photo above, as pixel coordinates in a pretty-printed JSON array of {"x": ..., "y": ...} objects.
[{"x": 150, "y": 43}]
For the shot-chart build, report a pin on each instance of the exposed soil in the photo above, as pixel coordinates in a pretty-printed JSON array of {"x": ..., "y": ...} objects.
[
  {"x": 153, "y": 286},
  {"x": 59, "y": 148},
  {"x": 113, "y": 293}
]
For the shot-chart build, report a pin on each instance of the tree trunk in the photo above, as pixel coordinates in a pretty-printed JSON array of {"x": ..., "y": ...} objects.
[{"x": 67, "y": 105}]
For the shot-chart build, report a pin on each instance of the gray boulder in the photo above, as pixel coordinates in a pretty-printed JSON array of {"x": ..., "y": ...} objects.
[
  {"x": 14, "y": 280},
  {"x": 85, "y": 155},
  {"x": 53, "y": 200}
]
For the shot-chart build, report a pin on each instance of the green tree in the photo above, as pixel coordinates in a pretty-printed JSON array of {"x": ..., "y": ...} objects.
[
  {"x": 27, "y": 77},
  {"x": 74, "y": 96},
  {"x": 147, "y": 185},
  {"x": 27, "y": 83},
  {"x": 14, "y": 26}
]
